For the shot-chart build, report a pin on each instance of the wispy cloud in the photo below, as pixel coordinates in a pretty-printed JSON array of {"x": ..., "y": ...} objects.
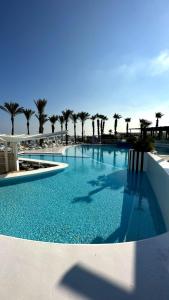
[{"x": 155, "y": 66}]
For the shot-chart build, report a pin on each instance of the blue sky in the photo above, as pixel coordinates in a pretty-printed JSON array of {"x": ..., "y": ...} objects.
[{"x": 102, "y": 56}]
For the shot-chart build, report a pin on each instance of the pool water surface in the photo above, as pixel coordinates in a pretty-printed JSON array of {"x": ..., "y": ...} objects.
[{"x": 94, "y": 200}]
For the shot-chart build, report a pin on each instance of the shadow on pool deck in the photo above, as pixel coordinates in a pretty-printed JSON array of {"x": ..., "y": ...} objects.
[{"x": 149, "y": 281}]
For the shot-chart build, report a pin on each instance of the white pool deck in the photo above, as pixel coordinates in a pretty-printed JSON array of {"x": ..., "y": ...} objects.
[
  {"x": 49, "y": 271},
  {"x": 38, "y": 270}
]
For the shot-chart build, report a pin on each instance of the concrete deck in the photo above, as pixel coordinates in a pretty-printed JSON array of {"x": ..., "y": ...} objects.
[{"x": 47, "y": 271}]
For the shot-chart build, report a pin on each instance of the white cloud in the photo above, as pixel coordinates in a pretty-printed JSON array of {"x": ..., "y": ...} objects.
[
  {"x": 155, "y": 66},
  {"x": 160, "y": 64}
]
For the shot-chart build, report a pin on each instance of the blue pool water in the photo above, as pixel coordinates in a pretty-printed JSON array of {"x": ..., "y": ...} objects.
[{"x": 94, "y": 200}]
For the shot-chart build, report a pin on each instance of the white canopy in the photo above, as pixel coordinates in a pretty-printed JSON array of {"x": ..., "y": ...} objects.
[{"x": 24, "y": 137}]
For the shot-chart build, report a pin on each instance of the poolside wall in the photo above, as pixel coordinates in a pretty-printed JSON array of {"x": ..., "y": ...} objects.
[{"x": 158, "y": 174}]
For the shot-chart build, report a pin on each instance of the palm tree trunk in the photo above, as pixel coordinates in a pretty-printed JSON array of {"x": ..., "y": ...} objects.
[
  {"x": 103, "y": 126},
  {"x": 75, "y": 132},
  {"x": 28, "y": 128},
  {"x": 157, "y": 122},
  {"x": 82, "y": 130},
  {"x": 12, "y": 121},
  {"x": 93, "y": 128},
  {"x": 127, "y": 128},
  {"x": 98, "y": 128},
  {"x": 66, "y": 132},
  {"x": 115, "y": 126},
  {"x": 53, "y": 128},
  {"x": 61, "y": 127}
]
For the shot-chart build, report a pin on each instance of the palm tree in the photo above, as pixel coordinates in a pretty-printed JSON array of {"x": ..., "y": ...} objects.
[
  {"x": 158, "y": 116},
  {"x": 93, "y": 118},
  {"x": 98, "y": 124},
  {"x": 42, "y": 120},
  {"x": 28, "y": 114},
  {"x": 61, "y": 120},
  {"x": 40, "y": 105},
  {"x": 110, "y": 131},
  {"x": 103, "y": 119},
  {"x": 83, "y": 116},
  {"x": 116, "y": 117},
  {"x": 127, "y": 120},
  {"x": 53, "y": 120},
  {"x": 143, "y": 125},
  {"x": 66, "y": 115},
  {"x": 74, "y": 118},
  {"x": 13, "y": 109}
]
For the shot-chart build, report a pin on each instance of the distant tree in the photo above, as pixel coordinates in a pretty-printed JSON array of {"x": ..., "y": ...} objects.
[
  {"x": 61, "y": 121},
  {"x": 74, "y": 118},
  {"x": 41, "y": 116},
  {"x": 143, "y": 125},
  {"x": 83, "y": 116},
  {"x": 66, "y": 115},
  {"x": 127, "y": 120},
  {"x": 110, "y": 131},
  {"x": 158, "y": 116},
  {"x": 116, "y": 117},
  {"x": 13, "y": 109},
  {"x": 28, "y": 114},
  {"x": 53, "y": 120}
]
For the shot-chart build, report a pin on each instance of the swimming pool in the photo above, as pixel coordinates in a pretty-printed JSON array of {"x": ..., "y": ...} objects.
[{"x": 94, "y": 200}]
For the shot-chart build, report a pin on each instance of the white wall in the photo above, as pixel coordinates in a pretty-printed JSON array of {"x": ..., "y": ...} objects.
[{"x": 158, "y": 174}]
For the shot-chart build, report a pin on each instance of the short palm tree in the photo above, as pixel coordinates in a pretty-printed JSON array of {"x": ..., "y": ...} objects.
[
  {"x": 13, "y": 109},
  {"x": 158, "y": 116},
  {"x": 53, "y": 120},
  {"x": 40, "y": 105},
  {"x": 74, "y": 118},
  {"x": 143, "y": 125},
  {"x": 28, "y": 114},
  {"x": 116, "y": 117},
  {"x": 110, "y": 131},
  {"x": 127, "y": 120},
  {"x": 66, "y": 115},
  {"x": 83, "y": 116}
]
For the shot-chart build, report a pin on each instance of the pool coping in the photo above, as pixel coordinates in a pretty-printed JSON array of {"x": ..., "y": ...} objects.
[{"x": 55, "y": 166}]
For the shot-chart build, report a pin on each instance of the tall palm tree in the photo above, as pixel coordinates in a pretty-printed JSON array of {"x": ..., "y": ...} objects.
[
  {"x": 83, "y": 116},
  {"x": 116, "y": 117},
  {"x": 53, "y": 120},
  {"x": 40, "y": 105},
  {"x": 143, "y": 125},
  {"x": 28, "y": 114},
  {"x": 158, "y": 116},
  {"x": 127, "y": 120},
  {"x": 66, "y": 115},
  {"x": 74, "y": 118},
  {"x": 13, "y": 109},
  {"x": 61, "y": 120}
]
